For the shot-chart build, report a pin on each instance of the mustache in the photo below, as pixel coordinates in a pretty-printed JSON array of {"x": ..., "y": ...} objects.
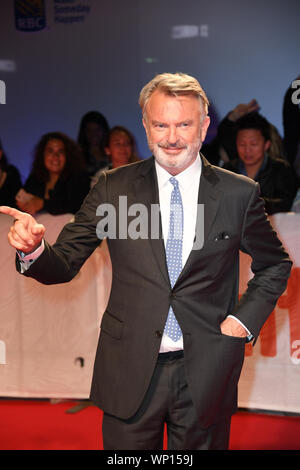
[{"x": 175, "y": 145}]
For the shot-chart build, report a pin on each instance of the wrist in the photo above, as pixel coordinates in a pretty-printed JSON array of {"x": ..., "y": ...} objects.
[
  {"x": 35, "y": 251},
  {"x": 233, "y": 116}
]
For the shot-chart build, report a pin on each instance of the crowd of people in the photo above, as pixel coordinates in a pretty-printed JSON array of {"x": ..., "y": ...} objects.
[
  {"x": 63, "y": 171},
  {"x": 246, "y": 143}
]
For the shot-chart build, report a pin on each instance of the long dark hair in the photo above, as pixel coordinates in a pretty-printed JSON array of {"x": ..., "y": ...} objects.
[
  {"x": 98, "y": 118},
  {"x": 74, "y": 159}
]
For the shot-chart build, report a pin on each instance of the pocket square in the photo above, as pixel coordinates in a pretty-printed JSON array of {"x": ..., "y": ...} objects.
[{"x": 222, "y": 236}]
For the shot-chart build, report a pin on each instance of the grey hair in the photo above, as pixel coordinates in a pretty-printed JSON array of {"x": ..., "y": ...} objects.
[{"x": 174, "y": 84}]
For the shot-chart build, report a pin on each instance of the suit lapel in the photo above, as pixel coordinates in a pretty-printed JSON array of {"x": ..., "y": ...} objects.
[
  {"x": 146, "y": 191},
  {"x": 209, "y": 197}
]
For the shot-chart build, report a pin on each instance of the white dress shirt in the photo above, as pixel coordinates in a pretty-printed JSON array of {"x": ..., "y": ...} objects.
[{"x": 189, "y": 187}]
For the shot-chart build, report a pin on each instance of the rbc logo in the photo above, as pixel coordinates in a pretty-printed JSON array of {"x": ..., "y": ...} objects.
[{"x": 30, "y": 15}]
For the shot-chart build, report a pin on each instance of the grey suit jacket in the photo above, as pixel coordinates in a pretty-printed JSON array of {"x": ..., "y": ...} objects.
[{"x": 204, "y": 294}]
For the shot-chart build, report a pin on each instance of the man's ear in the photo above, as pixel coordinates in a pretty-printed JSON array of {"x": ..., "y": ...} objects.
[
  {"x": 204, "y": 126},
  {"x": 145, "y": 127},
  {"x": 267, "y": 145},
  {"x": 144, "y": 124}
]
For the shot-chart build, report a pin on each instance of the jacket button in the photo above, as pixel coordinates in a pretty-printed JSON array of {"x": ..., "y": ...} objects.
[{"x": 158, "y": 333}]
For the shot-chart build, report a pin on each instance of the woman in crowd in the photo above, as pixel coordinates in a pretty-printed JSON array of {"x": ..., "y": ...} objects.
[
  {"x": 121, "y": 149},
  {"x": 10, "y": 181},
  {"x": 92, "y": 138},
  {"x": 58, "y": 182}
]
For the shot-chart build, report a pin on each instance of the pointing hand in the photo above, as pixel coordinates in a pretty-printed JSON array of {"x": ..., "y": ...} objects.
[{"x": 25, "y": 234}]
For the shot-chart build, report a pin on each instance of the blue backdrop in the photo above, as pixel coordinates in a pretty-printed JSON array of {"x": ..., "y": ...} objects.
[{"x": 92, "y": 54}]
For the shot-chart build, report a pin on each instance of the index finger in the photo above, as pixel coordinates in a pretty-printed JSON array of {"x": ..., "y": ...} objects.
[{"x": 11, "y": 211}]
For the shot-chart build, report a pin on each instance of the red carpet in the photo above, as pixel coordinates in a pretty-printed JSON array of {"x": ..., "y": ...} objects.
[{"x": 30, "y": 424}]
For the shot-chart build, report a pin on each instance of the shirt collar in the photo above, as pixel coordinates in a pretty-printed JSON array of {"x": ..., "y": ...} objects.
[{"x": 185, "y": 178}]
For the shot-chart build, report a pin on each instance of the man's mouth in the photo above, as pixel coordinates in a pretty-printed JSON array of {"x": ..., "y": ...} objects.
[{"x": 172, "y": 149}]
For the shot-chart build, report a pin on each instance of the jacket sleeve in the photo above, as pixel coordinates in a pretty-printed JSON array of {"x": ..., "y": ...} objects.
[
  {"x": 76, "y": 242},
  {"x": 271, "y": 266}
]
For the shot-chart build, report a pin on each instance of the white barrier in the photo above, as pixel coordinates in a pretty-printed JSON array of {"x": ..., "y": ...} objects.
[{"x": 49, "y": 334}]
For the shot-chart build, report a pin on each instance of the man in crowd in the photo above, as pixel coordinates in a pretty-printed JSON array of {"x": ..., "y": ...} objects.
[{"x": 275, "y": 176}]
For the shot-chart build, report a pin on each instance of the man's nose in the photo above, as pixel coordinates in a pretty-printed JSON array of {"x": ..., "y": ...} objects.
[{"x": 172, "y": 137}]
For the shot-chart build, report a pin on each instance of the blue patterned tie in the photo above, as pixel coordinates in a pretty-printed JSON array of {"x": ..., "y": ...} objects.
[{"x": 174, "y": 254}]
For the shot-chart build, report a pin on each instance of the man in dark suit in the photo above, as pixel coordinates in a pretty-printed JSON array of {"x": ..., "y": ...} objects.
[{"x": 172, "y": 338}]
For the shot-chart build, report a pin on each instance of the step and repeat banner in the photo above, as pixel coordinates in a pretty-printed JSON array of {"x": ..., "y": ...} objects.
[{"x": 49, "y": 334}]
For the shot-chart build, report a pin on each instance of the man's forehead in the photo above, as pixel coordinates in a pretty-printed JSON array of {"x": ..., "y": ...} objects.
[{"x": 249, "y": 133}]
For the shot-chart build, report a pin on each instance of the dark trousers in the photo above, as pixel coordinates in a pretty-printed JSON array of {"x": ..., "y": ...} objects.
[{"x": 167, "y": 401}]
